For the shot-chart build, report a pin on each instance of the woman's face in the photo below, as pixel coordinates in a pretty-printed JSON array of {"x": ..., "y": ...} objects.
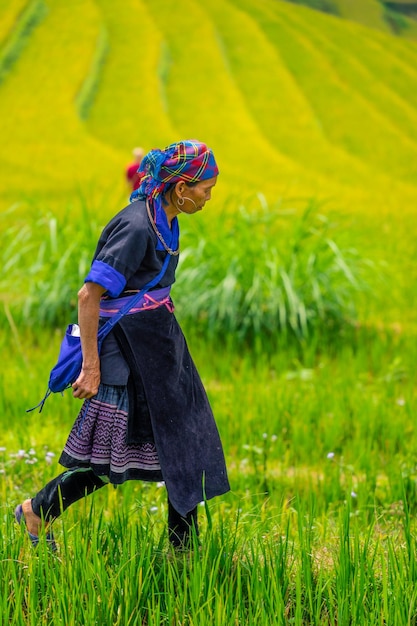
[{"x": 196, "y": 196}]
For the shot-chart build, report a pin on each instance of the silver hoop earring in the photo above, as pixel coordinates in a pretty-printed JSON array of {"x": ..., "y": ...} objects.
[
  {"x": 190, "y": 199},
  {"x": 180, "y": 201}
]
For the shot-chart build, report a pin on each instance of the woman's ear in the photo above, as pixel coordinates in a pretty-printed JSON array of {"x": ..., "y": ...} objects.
[{"x": 179, "y": 188}]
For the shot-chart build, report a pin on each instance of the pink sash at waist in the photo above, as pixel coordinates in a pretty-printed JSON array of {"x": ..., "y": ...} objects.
[{"x": 151, "y": 300}]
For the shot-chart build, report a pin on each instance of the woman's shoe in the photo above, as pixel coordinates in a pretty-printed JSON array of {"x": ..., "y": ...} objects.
[{"x": 34, "y": 539}]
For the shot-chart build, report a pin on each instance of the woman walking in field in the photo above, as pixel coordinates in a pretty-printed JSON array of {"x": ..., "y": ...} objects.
[{"x": 145, "y": 414}]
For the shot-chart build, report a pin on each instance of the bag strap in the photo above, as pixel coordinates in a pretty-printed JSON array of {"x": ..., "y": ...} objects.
[{"x": 106, "y": 328}]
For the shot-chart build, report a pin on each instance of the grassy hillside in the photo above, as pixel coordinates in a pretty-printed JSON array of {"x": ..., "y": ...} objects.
[{"x": 295, "y": 102}]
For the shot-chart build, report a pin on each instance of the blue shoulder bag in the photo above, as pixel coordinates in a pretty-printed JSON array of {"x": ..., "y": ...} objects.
[{"x": 70, "y": 358}]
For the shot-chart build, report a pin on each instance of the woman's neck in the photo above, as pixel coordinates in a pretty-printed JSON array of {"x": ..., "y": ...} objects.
[{"x": 170, "y": 208}]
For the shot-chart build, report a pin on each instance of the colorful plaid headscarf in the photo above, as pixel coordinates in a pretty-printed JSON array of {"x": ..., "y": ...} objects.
[{"x": 190, "y": 160}]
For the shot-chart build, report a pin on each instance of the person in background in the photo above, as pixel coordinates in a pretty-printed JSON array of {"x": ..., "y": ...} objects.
[
  {"x": 145, "y": 413},
  {"x": 132, "y": 176}
]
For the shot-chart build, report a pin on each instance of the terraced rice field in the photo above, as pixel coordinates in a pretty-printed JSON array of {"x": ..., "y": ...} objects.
[{"x": 299, "y": 101}]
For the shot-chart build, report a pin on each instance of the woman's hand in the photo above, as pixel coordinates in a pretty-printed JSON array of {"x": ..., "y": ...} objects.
[{"x": 86, "y": 385}]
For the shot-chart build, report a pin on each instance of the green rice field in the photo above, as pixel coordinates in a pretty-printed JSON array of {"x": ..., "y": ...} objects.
[{"x": 296, "y": 290}]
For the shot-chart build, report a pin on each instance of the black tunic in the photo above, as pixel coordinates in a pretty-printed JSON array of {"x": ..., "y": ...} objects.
[{"x": 170, "y": 403}]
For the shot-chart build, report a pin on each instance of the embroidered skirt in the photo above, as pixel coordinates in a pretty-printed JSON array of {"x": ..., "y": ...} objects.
[
  {"x": 159, "y": 426},
  {"x": 98, "y": 440}
]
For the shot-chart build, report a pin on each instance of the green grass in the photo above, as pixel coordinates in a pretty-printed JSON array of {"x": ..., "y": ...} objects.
[
  {"x": 319, "y": 526},
  {"x": 275, "y": 273},
  {"x": 319, "y": 439}
]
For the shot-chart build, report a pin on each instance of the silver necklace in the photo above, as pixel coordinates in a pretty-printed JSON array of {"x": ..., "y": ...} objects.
[{"x": 158, "y": 234}]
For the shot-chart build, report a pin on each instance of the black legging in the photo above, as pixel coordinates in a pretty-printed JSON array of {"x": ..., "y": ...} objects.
[{"x": 78, "y": 482}]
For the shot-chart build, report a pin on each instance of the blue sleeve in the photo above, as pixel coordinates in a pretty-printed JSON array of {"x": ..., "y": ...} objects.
[
  {"x": 106, "y": 276},
  {"x": 125, "y": 240}
]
